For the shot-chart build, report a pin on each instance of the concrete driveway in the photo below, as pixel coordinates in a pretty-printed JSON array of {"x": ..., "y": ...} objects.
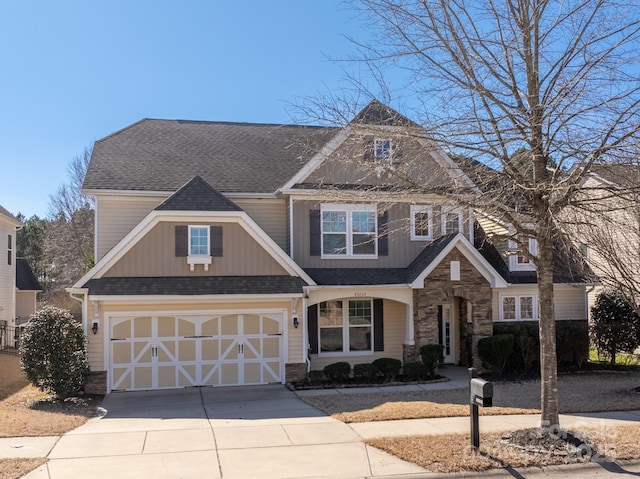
[{"x": 239, "y": 432}]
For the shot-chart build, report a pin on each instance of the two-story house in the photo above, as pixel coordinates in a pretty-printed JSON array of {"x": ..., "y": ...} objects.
[
  {"x": 8, "y": 227},
  {"x": 235, "y": 253}
]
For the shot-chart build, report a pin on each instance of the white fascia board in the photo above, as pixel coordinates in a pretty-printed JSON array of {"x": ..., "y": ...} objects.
[
  {"x": 318, "y": 158},
  {"x": 191, "y": 298},
  {"x": 154, "y": 217},
  {"x": 121, "y": 193},
  {"x": 402, "y": 293},
  {"x": 472, "y": 255}
]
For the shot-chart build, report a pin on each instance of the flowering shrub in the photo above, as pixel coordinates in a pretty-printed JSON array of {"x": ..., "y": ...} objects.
[{"x": 53, "y": 354}]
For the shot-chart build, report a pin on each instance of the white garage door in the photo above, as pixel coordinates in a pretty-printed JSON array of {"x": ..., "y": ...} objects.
[{"x": 167, "y": 351}]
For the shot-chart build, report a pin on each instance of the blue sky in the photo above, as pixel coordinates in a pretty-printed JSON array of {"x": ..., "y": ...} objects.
[{"x": 74, "y": 71}]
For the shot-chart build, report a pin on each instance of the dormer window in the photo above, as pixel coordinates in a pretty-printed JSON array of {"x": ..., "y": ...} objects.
[
  {"x": 522, "y": 262},
  {"x": 382, "y": 150}
]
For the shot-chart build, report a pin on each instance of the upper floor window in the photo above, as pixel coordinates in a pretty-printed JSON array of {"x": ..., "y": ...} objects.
[
  {"x": 522, "y": 262},
  {"x": 518, "y": 308},
  {"x": 345, "y": 326},
  {"x": 421, "y": 222},
  {"x": 382, "y": 150},
  {"x": 452, "y": 221},
  {"x": 198, "y": 241},
  {"x": 9, "y": 249},
  {"x": 349, "y": 230}
]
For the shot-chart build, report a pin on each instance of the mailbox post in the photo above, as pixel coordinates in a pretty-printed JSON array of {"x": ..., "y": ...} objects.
[{"x": 480, "y": 394}]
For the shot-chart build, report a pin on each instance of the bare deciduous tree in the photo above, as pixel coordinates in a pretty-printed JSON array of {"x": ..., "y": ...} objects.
[{"x": 557, "y": 79}]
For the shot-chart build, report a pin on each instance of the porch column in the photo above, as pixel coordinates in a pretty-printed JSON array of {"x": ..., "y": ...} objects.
[{"x": 409, "y": 339}]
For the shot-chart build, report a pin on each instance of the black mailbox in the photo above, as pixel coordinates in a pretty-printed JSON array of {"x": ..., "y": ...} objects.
[{"x": 481, "y": 392}]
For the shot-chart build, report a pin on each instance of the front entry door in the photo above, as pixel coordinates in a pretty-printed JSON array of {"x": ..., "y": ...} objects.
[{"x": 447, "y": 333}]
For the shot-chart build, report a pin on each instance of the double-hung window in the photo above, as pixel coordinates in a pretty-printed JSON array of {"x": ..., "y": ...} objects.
[
  {"x": 345, "y": 326},
  {"x": 382, "y": 150},
  {"x": 349, "y": 231},
  {"x": 9, "y": 249},
  {"x": 452, "y": 221},
  {"x": 421, "y": 222},
  {"x": 518, "y": 308},
  {"x": 198, "y": 241},
  {"x": 522, "y": 262}
]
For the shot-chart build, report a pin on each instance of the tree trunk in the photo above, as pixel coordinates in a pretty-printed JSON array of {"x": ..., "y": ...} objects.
[{"x": 547, "y": 324}]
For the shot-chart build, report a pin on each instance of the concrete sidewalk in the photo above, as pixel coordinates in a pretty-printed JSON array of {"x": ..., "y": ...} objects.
[{"x": 263, "y": 431}]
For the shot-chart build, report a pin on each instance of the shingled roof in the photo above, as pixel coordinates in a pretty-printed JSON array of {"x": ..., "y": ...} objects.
[
  {"x": 25, "y": 279},
  {"x": 198, "y": 195},
  {"x": 162, "y": 155}
]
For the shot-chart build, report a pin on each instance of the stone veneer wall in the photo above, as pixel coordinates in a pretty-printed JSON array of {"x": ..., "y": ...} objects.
[
  {"x": 295, "y": 372},
  {"x": 439, "y": 289},
  {"x": 96, "y": 383}
]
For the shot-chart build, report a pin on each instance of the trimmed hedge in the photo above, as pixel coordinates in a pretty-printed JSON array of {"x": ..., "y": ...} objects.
[
  {"x": 431, "y": 355},
  {"x": 337, "y": 372},
  {"x": 365, "y": 372},
  {"x": 494, "y": 351},
  {"x": 414, "y": 371},
  {"x": 388, "y": 368},
  {"x": 572, "y": 343}
]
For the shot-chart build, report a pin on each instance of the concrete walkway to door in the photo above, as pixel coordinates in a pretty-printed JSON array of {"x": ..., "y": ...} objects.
[{"x": 235, "y": 432}]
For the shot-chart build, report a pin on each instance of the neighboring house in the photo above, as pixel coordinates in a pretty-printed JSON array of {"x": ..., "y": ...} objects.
[
  {"x": 27, "y": 289},
  {"x": 8, "y": 227},
  {"x": 607, "y": 232},
  {"x": 235, "y": 253}
]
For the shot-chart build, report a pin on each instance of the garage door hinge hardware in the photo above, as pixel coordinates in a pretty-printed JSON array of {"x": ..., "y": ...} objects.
[
  {"x": 274, "y": 334},
  {"x": 197, "y": 337},
  {"x": 119, "y": 339}
]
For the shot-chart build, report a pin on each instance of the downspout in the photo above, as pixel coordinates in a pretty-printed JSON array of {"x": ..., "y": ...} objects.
[{"x": 82, "y": 299}]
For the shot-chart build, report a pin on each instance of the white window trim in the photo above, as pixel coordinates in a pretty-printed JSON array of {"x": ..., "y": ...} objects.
[
  {"x": 194, "y": 259},
  {"x": 388, "y": 160},
  {"x": 345, "y": 331},
  {"x": 349, "y": 209},
  {"x": 514, "y": 265},
  {"x": 421, "y": 209},
  {"x": 518, "y": 297},
  {"x": 443, "y": 219}
]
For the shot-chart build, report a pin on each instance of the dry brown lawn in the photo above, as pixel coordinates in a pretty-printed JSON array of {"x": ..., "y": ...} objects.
[
  {"x": 593, "y": 392},
  {"x": 452, "y": 452},
  {"x": 27, "y": 411}
]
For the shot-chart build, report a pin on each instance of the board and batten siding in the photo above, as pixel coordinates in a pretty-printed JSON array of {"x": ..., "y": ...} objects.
[
  {"x": 395, "y": 315},
  {"x": 570, "y": 301},
  {"x": 117, "y": 215},
  {"x": 154, "y": 255}
]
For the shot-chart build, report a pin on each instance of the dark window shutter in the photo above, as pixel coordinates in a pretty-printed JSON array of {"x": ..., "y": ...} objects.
[
  {"x": 182, "y": 240},
  {"x": 315, "y": 236},
  {"x": 439, "y": 324},
  {"x": 378, "y": 325},
  {"x": 383, "y": 234},
  {"x": 368, "y": 148},
  {"x": 215, "y": 240},
  {"x": 312, "y": 322}
]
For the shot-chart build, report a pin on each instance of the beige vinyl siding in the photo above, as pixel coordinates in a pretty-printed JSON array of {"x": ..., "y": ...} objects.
[
  {"x": 394, "y": 333},
  {"x": 570, "y": 301},
  {"x": 7, "y": 273},
  {"x": 96, "y": 343},
  {"x": 117, "y": 215},
  {"x": 402, "y": 250},
  {"x": 154, "y": 255},
  {"x": 270, "y": 214},
  {"x": 25, "y": 303}
]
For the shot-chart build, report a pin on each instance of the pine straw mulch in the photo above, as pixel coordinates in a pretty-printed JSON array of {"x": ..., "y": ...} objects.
[{"x": 524, "y": 448}]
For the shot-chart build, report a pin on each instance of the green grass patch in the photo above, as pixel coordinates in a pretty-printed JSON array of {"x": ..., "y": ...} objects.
[{"x": 622, "y": 359}]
